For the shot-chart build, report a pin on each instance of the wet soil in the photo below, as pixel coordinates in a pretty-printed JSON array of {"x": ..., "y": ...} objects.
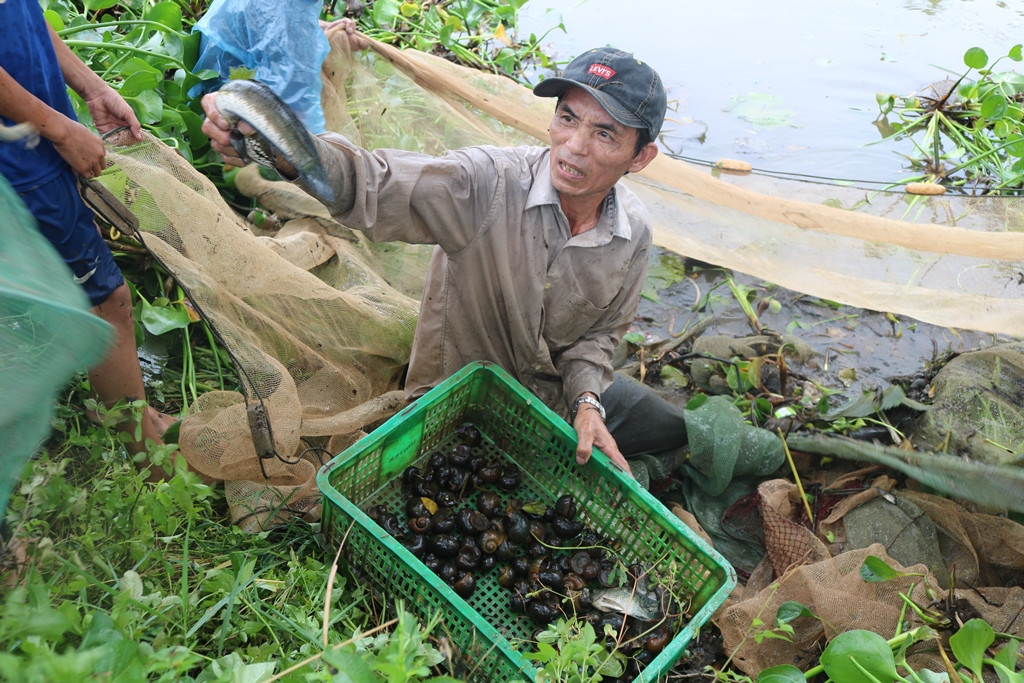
[{"x": 854, "y": 349}]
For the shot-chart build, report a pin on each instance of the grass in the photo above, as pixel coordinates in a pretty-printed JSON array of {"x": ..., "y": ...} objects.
[{"x": 119, "y": 579}]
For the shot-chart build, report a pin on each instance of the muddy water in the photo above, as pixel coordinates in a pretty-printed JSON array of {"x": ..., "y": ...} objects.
[
  {"x": 790, "y": 86},
  {"x": 853, "y": 350}
]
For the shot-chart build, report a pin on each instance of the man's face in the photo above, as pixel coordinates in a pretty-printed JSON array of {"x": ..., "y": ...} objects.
[{"x": 590, "y": 151}]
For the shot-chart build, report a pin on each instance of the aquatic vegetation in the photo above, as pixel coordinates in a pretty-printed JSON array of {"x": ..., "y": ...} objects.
[{"x": 967, "y": 132}]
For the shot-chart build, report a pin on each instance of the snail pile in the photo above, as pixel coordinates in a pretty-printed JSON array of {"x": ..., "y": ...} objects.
[{"x": 462, "y": 520}]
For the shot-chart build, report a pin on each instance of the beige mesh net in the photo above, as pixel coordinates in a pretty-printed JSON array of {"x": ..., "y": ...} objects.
[{"x": 320, "y": 321}]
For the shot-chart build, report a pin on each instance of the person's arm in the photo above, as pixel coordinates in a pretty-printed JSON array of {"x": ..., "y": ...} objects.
[
  {"x": 108, "y": 109},
  {"x": 74, "y": 142},
  {"x": 389, "y": 194},
  {"x": 586, "y": 367}
]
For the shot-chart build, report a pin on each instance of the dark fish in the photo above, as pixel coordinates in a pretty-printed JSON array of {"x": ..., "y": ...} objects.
[{"x": 277, "y": 128}]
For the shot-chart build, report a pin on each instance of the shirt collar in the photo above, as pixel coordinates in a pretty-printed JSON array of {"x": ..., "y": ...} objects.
[{"x": 543, "y": 192}]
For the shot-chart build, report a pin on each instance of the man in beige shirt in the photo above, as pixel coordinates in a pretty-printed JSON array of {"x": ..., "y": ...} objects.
[{"x": 541, "y": 253}]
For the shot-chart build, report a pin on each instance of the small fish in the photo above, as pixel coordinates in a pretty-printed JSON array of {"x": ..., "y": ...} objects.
[
  {"x": 277, "y": 128},
  {"x": 640, "y": 604}
]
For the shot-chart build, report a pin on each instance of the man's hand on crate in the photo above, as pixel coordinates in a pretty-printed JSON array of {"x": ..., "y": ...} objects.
[{"x": 590, "y": 432}]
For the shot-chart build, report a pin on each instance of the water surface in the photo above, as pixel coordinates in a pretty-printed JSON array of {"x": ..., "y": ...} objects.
[{"x": 788, "y": 85}]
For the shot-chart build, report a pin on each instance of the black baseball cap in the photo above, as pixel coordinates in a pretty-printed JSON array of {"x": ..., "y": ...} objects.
[{"x": 628, "y": 89}]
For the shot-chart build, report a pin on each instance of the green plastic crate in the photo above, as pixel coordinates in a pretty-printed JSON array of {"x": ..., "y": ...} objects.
[{"x": 519, "y": 427}]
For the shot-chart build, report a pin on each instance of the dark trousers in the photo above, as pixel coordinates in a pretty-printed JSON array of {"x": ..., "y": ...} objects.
[{"x": 640, "y": 420}]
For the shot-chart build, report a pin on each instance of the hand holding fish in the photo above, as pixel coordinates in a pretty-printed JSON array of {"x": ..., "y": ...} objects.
[
  {"x": 248, "y": 121},
  {"x": 218, "y": 129}
]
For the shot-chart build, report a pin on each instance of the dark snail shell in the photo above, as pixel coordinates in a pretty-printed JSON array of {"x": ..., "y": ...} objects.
[
  {"x": 468, "y": 433},
  {"x": 424, "y": 488},
  {"x": 472, "y": 521},
  {"x": 415, "y": 544},
  {"x": 566, "y": 506},
  {"x": 537, "y": 565},
  {"x": 443, "y": 521},
  {"x": 443, "y": 545},
  {"x": 606, "y": 577},
  {"x": 465, "y": 585},
  {"x": 517, "y": 527},
  {"x": 461, "y": 455},
  {"x": 510, "y": 479},
  {"x": 657, "y": 640},
  {"x": 457, "y": 479},
  {"x": 430, "y": 560},
  {"x": 446, "y": 499},
  {"x": 537, "y": 531},
  {"x": 375, "y": 512},
  {"x": 565, "y": 527},
  {"x": 578, "y": 561},
  {"x": 517, "y": 602},
  {"x": 542, "y": 612},
  {"x": 506, "y": 576},
  {"x": 389, "y": 522},
  {"x": 505, "y": 552},
  {"x": 591, "y": 571},
  {"x": 488, "y": 472},
  {"x": 488, "y": 562},
  {"x": 436, "y": 460},
  {"x": 420, "y": 525},
  {"x": 469, "y": 556},
  {"x": 411, "y": 473},
  {"x": 521, "y": 565},
  {"x": 491, "y": 540},
  {"x": 552, "y": 579},
  {"x": 414, "y": 507},
  {"x": 537, "y": 549},
  {"x": 489, "y": 503},
  {"x": 448, "y": 572},
  {"x": 574, "y": 582}
]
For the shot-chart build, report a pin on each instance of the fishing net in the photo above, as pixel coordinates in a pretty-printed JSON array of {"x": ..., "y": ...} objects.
[
  {"x": 976, "y": 570},
  {"x": 320, "y": 321},
  {"x": 47, "y": 334}
]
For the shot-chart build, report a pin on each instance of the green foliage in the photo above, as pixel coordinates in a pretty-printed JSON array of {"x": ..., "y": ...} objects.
[
  {"x": 479, "y": 33},
  {"x": 967, "y": 134},
  {"x": 146, "y": 51},
  {"x": 569, "y": 651}
]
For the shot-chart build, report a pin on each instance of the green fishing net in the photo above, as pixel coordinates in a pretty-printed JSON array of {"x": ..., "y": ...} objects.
[{"x": 47, "y": 334}]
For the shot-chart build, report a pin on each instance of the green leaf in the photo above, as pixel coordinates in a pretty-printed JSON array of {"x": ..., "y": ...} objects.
[
  {"x": 859, "y": 657},
  {"x": 970, "y": 643},
  {"x": 54, "y": 20},
  {"x": 792, "y": 610},
  {"x": 351, "y": 665},
  {"x": 384, "y": 12},
  {"x": 993, "y": 107},
  {"x": 927, "y": 676},
  {"x": 147, "y": 105},
  {"x": 786, "y": 673},
  {"x": 976, "y": 58},
  {"x": 99, "y": 4},
  {"x": 160, "y": 319},
  {"x": 875, "y": 570},
  {"x": 138, "y": 83},
  {"x": 1015, "y": 53},
  {"x": 166, "y": 13}
]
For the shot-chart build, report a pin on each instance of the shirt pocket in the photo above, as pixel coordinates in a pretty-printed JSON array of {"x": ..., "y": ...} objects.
[{"x": 568, "y": 316}]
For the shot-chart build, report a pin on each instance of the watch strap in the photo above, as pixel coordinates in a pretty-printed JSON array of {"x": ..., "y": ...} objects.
[{"x": 589, "y": 400}]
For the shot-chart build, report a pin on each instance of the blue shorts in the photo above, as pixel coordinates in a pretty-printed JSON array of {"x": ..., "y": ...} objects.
[{"x": 66, "y": 221}]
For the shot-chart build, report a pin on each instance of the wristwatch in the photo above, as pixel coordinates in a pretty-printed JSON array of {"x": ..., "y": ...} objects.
[{"x": 590, "y": 400}]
